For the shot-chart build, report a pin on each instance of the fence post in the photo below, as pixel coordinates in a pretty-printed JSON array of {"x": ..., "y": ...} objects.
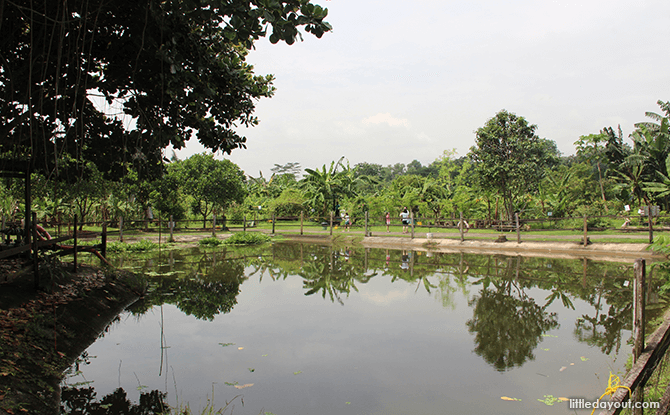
[
  {"x": 160, "y": 229},
  {"x": 273, "y": 223},
  {"x": 518, "y": 231},
  {"x": 651, "y": 229},
  {"x": 586, "y": 238},
  {"x": 75, "y": 243},
  {"x": 638, "y": 307},
  {"x": 103, "y": 243},
  {"x": 638, "y": 322},
  {"x": 244, "y": 223},
  {"x": 36, "y": 267},
  {"x": 213, "y": 224},
  {"x": 460, "y": 227},
  {"x": 366, "y": 224},
  {"x": 171, "y": 228},
  {"x": 302, "y": 214},
  {"x": 331, "y": 223},
  {"x": 411, "y": 218},
  {"x": 121, "y": 229}
]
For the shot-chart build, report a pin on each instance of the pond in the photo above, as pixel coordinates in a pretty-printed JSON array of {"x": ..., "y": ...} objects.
[{"x": 310, "y": 329}]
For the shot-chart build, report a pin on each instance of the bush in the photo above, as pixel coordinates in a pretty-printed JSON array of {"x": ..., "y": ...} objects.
[
  {"x": 247, "y": 238},
  {"x": 140, "y": 246},
  {"x": 211, "y": 241}
]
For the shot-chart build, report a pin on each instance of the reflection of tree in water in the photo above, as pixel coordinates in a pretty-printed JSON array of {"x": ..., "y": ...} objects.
[
  {"x": 210, "y": 288},
  {"x": 508, "y": 328},
  {"x": 604, "y": 330},
  {"x": 332, "y": 272},
  {"x": 82, "y": 401}
]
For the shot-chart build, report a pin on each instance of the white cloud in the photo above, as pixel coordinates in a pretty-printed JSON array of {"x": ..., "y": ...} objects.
[{"x": 386, "y": 118}]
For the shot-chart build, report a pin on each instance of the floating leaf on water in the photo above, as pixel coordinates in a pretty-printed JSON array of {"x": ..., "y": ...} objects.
[
  {"x": 226, "y": 344},
  {"x": 507, "y": 398},
  {"x": 562, "y": 368},
  {"x": 572, "y": 364},
  {"x": 546, "y": 350},
  {"x": 263, "y": 355},
  {"x": 347, "y": 403},
  {"x": 563, "y": 399},
  {"x": 584, "y": 358},
  {"x": 230, "y": 383},
  {"x": 251, "y": 369},
  {"x": 548, "y": 335},
  {"x": 298, "y": 372},
  {"x": 549, "y": 400},
  {"x": 246, "y": 385}
]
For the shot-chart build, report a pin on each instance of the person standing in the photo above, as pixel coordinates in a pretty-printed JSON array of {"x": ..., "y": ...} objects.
[
  {"x": 388, "y": 221},
  {"x": 404, "y": 216}
]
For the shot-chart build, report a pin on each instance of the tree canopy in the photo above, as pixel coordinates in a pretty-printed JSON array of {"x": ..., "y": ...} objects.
[
  {"x": 175, "y": 68},
  {"x": 510, "y": 158}
]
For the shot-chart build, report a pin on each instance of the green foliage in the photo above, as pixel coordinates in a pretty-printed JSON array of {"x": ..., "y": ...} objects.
[
  {"x": 211, "y": 241},
  {"x": 510, "y": 158},
  {"x": 142, "y": 245},
  {"x": 247, "y": 238},
  {"x": 212, "y": 184},
  {"x": 289, "y": 203},
  {"x": 177, "y": 68}
]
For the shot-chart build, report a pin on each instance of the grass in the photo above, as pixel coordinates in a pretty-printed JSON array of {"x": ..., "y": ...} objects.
[{"x": 314, "y": 228}]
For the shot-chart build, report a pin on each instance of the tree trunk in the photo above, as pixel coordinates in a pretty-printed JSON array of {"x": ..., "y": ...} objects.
[{"x": 602, "y": 189}]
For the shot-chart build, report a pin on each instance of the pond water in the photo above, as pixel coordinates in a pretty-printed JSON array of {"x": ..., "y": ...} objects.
[{"x": 309, "y": 329}]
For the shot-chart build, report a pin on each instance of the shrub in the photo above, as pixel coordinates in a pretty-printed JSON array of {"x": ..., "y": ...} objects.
[
  {"x": 247, "y": 238},
  {"x": 211, "y": 241}
]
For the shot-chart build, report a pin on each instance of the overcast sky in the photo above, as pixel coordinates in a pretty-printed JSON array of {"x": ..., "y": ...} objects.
[{"x": 402, "y": 80}]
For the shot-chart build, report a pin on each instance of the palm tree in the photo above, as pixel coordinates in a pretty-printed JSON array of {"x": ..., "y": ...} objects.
[{"x": 326, "y": 186}]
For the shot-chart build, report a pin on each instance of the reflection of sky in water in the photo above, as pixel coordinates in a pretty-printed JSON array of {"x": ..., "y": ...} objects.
[{"x": 391, "y": 349}]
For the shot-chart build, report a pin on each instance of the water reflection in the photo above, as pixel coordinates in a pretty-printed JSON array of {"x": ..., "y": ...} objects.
[
  {"x": 82, "y": 400},
  {"x": 355, "y": 328},
  {"x": 507, "y": 324}
]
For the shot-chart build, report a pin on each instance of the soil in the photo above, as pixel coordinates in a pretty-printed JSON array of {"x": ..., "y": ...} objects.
[{"x": 42, "y": 333}]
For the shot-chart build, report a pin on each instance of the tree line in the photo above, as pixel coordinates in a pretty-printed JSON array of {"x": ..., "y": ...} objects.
[{"x": 509, "y": 169}]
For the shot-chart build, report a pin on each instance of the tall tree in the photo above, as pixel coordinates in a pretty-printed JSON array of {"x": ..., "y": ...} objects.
[
  {"x": 592, "y": 148},
  {"x": 510, "y": 158},
  {"x": 213, "y": 184},
  {"x": 176, "y": 68}
]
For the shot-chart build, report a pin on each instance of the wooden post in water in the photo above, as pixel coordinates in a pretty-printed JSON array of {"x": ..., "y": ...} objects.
[
  {"x": 36, "y": 268},
  {"x": 638, "y": 323},
  {"x": 638, "y": 308},
  {"x": 586, "y": 238},
  {"x": 518, "y": 231},
  {"x": 460, "y": 227},
  {"x": 75, "y": 243},
  {"x": 302, "y": 217}
]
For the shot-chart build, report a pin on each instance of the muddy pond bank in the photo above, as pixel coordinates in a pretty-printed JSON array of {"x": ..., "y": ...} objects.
[{"x": 44, "y": 333}]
